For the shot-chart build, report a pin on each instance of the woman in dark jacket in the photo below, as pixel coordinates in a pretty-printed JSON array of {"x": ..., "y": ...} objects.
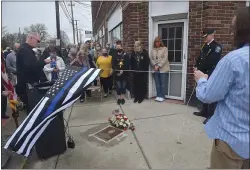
[
  {"x": 120, "y": 62},
  {"x": 139, "y": 63}
]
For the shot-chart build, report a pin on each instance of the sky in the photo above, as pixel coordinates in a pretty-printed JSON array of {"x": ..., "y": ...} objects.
[{"x": 21, "y": 14}]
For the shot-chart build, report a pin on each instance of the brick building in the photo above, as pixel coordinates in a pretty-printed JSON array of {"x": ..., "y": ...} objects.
[{"x": 178, "y": 23}]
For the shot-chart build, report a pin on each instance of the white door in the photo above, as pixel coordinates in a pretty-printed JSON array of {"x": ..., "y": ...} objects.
[{"x": 174, "y": 37}]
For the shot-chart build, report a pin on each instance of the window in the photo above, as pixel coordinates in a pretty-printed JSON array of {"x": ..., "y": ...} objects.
[
  {"x": 172, "y": 38},
  {"x": 116, "y": 33}
]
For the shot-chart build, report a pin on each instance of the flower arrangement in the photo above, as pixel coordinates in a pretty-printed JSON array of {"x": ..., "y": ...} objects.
[{"x": 121, "y": 121}]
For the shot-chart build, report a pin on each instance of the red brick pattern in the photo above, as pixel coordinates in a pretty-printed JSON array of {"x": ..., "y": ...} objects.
[{"x": 135, "y": 25}]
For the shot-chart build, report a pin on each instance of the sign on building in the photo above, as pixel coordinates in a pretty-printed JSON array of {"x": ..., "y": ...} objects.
[{"x": 88, "y": 34}]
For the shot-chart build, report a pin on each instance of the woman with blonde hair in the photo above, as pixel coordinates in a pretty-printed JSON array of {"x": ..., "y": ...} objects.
[{"x": 160, "y": 66}]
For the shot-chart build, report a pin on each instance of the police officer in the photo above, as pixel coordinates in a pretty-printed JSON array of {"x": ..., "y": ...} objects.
[{"x": 206, "y": 62}]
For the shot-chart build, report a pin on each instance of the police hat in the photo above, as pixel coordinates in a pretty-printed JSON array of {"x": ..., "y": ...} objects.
[{"x": 206, "y": 32}]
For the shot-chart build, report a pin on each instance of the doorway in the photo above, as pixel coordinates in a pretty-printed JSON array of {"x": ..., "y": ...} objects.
[{"x": 174, "y": 37}]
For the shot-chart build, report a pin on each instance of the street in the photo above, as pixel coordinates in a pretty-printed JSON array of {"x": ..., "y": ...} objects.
[{"x": 166, "y": 135}]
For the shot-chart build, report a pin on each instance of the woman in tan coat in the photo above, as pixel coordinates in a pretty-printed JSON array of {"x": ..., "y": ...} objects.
[{"x": 160, "y": 66}]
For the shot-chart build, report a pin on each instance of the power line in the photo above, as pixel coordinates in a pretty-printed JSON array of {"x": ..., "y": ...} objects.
[
  {"x": 67, "y": 9},
  {"x": 73, "y": 25},
  {"x": 65, "y": 13}
]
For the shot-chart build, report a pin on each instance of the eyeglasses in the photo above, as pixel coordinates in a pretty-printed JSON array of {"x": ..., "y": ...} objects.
[{"x": 38, "y": 41}]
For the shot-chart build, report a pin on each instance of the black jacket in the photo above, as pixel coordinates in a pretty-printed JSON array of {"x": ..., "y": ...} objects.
[
  {"x": 140, "y": 61},
  {"x": 120, "y": 62},
  {"x": 29, "y": 68},
  {"x": 210, "y": 55}
]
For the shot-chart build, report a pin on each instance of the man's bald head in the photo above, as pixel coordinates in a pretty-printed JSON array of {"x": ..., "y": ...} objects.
[{"x": 33, "y": 39}]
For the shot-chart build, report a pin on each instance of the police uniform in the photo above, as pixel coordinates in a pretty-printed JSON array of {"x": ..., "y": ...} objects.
[{"x": 209, "y": 57}]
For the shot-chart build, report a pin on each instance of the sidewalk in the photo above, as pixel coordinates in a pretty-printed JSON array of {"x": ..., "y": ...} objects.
[
  {"x": 11, "y": 160},
  {"x": 167, "y": 135}
]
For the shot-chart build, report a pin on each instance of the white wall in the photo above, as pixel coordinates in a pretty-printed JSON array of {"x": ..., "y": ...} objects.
[
  {"x": 168, "y": 7},
  {"x": 115, "y": 18}
]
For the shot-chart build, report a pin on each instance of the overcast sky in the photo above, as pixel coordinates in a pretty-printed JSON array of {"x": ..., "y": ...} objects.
[{"x": 22, "y": 14}]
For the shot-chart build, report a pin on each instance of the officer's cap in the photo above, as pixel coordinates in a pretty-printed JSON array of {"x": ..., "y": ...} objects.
[{"x": 207, "y": 32}]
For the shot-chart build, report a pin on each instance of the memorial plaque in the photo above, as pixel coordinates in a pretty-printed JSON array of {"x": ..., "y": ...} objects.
[{"x": 108, "y": 134}]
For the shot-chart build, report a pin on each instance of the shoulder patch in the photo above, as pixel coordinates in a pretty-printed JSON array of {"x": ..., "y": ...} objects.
[{"x": 218, "y": 49}]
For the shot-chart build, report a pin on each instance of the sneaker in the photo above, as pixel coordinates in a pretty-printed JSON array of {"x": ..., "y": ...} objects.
[
  {"x": 157, "y": 99},
  {"x": 119, "y": 101},
  {"x": 161, "y": 99},
  {"x": 5, "y": 117},
  {"x": 110, "y": 92},
  {"x": 136, "y": 100},
  {"x": 105, "y": 95},
  {"x": 122, "y": 101}
]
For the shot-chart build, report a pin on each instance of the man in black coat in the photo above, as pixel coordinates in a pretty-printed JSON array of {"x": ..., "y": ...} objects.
[
  {"x": 139, "y": 64},
  {"x": 210, "y": 55},
  {"x": 29, "y": 67}
]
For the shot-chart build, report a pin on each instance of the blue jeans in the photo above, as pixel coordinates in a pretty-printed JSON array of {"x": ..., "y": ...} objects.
[
  {"x": 160, "y": 83},
  {"x": 121, "y": 87}
]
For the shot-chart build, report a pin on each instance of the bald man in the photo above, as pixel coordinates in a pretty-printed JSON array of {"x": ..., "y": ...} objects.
[{"x": 29, "y": 68}]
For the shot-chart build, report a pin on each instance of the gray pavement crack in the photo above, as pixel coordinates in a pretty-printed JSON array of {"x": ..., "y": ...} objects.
[{"x": 139, "y": 145}]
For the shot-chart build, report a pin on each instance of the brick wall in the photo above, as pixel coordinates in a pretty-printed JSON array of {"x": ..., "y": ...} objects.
[
  {"x": 208, "y": 14},
  {"x": 135, "y": 25}
]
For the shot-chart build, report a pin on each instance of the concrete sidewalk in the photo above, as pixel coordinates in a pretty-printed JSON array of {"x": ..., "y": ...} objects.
[{"x": 167, "y": 135}]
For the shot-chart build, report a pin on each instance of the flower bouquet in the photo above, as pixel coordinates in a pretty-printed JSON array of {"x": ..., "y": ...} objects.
[{"x": 121, "y": 121}]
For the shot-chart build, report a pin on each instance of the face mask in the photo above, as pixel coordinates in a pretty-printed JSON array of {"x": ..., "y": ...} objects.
[{"x": 119, "y": 50}]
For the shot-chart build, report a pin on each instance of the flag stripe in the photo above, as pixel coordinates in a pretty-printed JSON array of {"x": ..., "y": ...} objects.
[
  {"x": 60, "y": 94},
  {"x": 77, "y": 84},
  {"x": 17, "y": 133},
  {"x": 33, "y": 118}
]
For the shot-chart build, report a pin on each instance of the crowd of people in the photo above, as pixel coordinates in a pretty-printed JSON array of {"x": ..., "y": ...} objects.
[{"x": 222, "y": 84}]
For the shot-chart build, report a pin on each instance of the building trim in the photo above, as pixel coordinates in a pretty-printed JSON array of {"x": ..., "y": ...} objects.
[
  {"x": 113, "y": 8},
  {"x": 98, "y": 13},
  {"x": 170, "y": 17}
]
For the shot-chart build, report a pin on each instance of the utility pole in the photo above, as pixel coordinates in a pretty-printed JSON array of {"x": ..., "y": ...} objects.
[
  {"x": 77, "y": 31},
  {"x": 19, "y": 36},
  {"x": 80, "y": 33},
  {"x": 58, "y": 44},
  {"x": 73, "y": 25}
]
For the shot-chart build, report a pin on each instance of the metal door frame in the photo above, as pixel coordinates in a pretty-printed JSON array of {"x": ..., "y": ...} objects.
[{"x": 184, "y": 57}]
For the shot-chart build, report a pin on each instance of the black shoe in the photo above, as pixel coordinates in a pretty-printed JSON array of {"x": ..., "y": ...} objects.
[
  {"x": 110, "y": 92},
  {"x": 119, "y": 101},
  {"x": 198, "y": 114},
  {"x": 141, "y": 100},
  {"x": 136, "y": 100},
  {"x": 122, "y": 101},
  {"x": 205, "y": 121},
  {"x": 81, "y": 100},
  {"x": 5, "y": 117}
]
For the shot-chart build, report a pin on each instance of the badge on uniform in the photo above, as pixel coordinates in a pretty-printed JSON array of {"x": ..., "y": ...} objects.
[{"x": 218, "y": 49}]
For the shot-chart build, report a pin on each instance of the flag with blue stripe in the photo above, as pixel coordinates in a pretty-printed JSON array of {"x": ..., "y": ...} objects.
[{"x": 64, "y": 92}]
